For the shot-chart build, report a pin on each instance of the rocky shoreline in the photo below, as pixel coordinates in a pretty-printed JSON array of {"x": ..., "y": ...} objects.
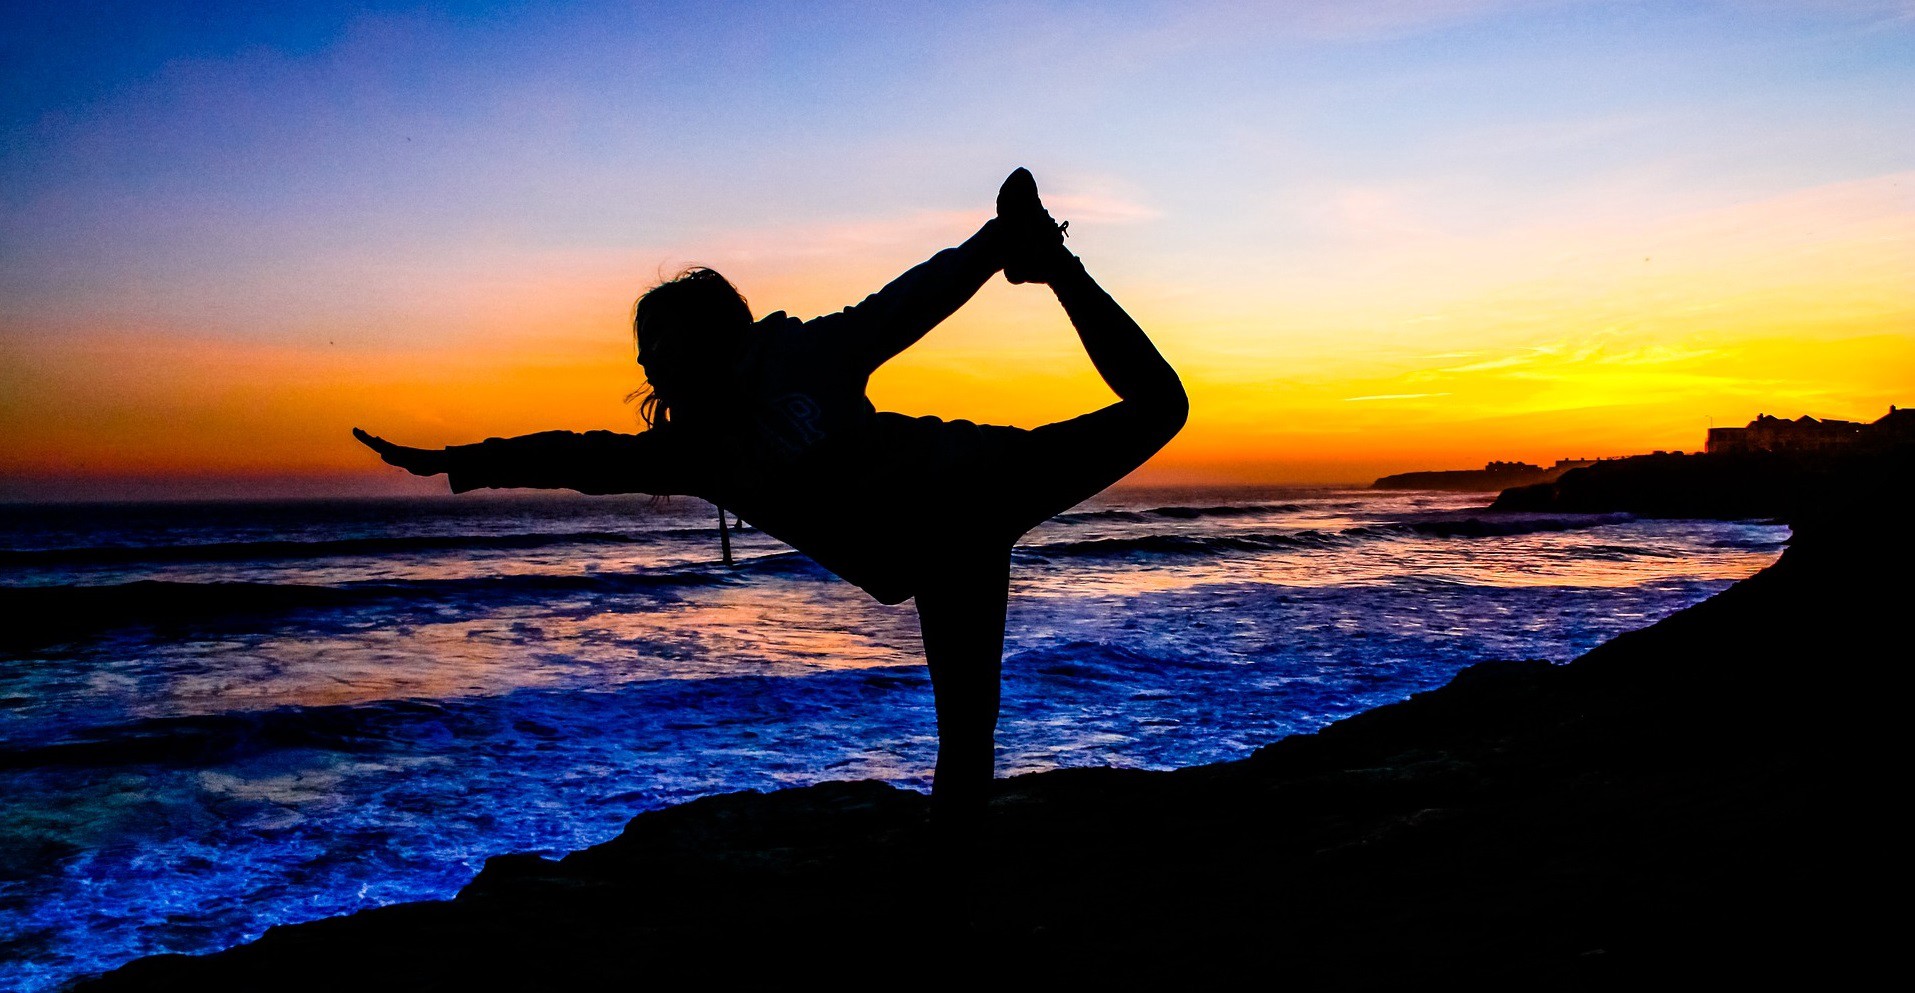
[
  {"x": 1695, "y": 800},
  {"x": 1492, "y": 478}
]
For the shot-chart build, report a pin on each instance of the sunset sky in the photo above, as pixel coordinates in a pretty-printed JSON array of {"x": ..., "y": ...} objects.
[{"x": 1373, "y": 235}]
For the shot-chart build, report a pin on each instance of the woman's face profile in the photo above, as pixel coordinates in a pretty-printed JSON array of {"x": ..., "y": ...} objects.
[
  {"x": 649, "y": 345},
  {"x": 664, "y": 341}
]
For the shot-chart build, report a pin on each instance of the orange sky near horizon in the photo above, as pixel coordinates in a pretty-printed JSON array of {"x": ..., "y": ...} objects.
[{"x": 1605, "y": 340}]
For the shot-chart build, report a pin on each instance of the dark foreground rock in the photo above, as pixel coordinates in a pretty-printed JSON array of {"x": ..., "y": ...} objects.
[{"x": 1700, "y": 801}]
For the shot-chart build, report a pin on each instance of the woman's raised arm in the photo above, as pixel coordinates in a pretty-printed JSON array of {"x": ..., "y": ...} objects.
[
  {"x": 594, "y": 462},
  {"x": 907, "y": 308}
]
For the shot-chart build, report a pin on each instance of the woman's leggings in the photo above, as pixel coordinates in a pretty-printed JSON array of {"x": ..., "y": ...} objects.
[{"x": 1032, "y": 476}]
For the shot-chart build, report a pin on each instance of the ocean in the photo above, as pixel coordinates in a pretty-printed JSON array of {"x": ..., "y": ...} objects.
[{"x": 219, "y": 717}]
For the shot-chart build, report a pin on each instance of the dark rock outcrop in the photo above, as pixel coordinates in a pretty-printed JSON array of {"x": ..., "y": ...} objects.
[
  {"x": 1492, "y": 477},
  {"x": 1762, "y": 484},
  {"x": 1697, "y": 801}
]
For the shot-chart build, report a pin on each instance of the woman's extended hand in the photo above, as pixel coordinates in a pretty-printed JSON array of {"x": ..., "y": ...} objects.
[{"x": 418, "y": 461}]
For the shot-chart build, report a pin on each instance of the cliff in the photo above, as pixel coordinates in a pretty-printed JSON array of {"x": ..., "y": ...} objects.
[
  {"x": 1494, "y": 476},
  {"x": 1696, "y": 801},
  {"x": 1765, "y": 484}
]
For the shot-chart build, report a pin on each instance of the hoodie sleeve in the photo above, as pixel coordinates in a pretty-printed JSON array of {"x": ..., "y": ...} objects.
[
  {"x": 594, "y": 462},
  {"x": 907, "y": 308}
]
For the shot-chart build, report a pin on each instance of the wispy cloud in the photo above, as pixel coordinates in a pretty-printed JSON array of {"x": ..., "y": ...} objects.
[
  {"x": 1528, "y": 357},
  {"x": 1395, "y": 396},
  {"x": 1331, "y": 20},
  {"x": 1612, "y": 349},
  {"x": 1103, "y": 209}
]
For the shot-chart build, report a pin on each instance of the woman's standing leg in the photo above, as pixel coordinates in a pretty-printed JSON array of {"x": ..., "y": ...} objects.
[{"x": 961, "y": 614}]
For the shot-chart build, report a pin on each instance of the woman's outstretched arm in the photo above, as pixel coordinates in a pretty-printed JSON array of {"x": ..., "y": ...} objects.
[
  {"x": 594, "y": 462},
  {"x": 894, "y": 318}
]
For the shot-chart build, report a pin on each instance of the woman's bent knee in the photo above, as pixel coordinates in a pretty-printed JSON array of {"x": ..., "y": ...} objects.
[
  {"x": 1174, "y": 407},
  {"x": 1163, "y": 412}
]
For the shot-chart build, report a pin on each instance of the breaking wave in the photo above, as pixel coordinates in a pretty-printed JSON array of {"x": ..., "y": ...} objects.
[
  {"x": 264, "y": 551},
  {"x": 1218, "y": 544}
]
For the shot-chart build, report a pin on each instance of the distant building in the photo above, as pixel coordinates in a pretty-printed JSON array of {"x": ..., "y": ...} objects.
[
  {"x": 1895, "y": 427},
  {"x": 1806, "y": 435}
]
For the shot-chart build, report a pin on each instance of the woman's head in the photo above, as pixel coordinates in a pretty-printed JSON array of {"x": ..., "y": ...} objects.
[{"x": 689, "y": 330}]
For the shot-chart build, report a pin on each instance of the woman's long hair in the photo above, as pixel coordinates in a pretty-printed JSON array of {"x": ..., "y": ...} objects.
[{"x": 688, "y": 330}]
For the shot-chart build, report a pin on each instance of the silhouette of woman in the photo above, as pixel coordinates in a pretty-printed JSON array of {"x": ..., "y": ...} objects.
[{"x": 770, "y": 419}]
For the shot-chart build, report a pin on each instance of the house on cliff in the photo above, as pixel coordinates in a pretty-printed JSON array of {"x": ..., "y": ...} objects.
[
  {"x": 1807, "y": 436},
  {"x": 1896, "y": 427}
]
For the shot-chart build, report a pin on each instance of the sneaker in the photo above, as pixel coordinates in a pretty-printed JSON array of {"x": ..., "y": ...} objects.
[{"x": 1033, "y": 242}]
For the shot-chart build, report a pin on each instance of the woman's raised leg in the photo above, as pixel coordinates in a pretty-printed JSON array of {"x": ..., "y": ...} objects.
[{"x": 1054, "y": 467}]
